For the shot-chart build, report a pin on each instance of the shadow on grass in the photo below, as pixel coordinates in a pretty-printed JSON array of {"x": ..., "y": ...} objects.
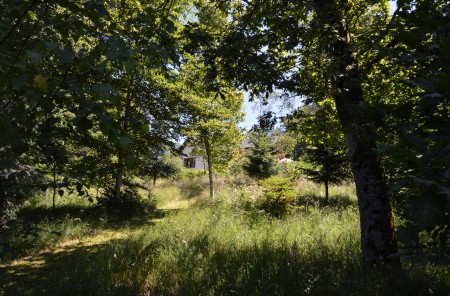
[
  {"x": 38, "y": 228},
  {"x": 68, "y": 272},
  {"x": 201, "y": 267},
  {"x": 337, "y": 202},
  {"x": 96, "y": 215}
]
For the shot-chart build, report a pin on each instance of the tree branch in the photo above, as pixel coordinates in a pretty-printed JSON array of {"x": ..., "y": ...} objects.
[
  {"x": 13, "y": 28},
  {"x": 384, "y": 32},
  {"x": 27, "y": 39}
]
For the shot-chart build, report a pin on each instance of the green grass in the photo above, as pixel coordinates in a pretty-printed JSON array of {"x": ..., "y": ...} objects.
[
  {"x": 215, "y": 251},
  {"x": 196, "y": 246}
]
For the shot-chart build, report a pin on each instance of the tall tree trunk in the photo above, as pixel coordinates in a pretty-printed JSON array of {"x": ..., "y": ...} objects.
[
  {"x": 119, "y": 174},
  {"x": 3, "y": 207},
  {"x": 210, "y": 168},
  {"x": 155, "y": 175},
  {"x": 326, "y": 191},
  {"x": 54, "y": 189},
  {"x": 378, "y": 240},
  {"x": 121, "y": 152}
]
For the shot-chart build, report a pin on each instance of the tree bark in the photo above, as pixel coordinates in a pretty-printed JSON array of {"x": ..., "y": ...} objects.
[
  {"x": 210, "y": 168},
  {"x": 54, "y": 189},
  {"x": 121, "y": 152},
  {"x": 326, "y": 191},
  {"x": 378, "y": 239},
  {"x": 155, "y": 175},
  {"x": 119, "y": 175},
  {"x": 3, "y": 206}
]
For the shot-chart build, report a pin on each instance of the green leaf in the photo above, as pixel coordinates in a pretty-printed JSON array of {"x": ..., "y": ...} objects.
[
  {"x": 67, "y": 56},
  {"x": 83, "y": 122},
  {"x": 104, "y": 128},
  {"x": 35, "y": 57},
  {"x": 124, "y": 141},
  {"x": 102, "y": 90},
  {"x": 105, "y": 124},
  {"x": 18, "y": 82},
  {"x": 50, "y": 45},
  {"x": 130, "y": 161},
  {"x": 130, "y": 66},
  {"x": 145, "y": 127},
  {"x": 101, "y": 9},
  {"x": 409, "y": 234}
]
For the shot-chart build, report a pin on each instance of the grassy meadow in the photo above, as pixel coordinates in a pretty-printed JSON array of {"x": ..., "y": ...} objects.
[{"x": 185, "y": 244}]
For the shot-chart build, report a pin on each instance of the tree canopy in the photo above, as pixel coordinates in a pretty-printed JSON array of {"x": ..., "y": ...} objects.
[
  {"x": 90, "y": 89},
  {"x": 347, "y": 51}
]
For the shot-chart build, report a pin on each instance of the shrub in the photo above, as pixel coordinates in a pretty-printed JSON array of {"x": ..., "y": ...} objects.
[
  {"x": 166, "y": 166},
  {"x": 187, "y": 174},
  {"x": 130, "y": 202},
  {"x": 293, "y": 170},
  {"x": 278, "y": 195}
]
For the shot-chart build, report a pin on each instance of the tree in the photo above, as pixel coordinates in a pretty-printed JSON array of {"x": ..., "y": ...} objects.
[
  {"x": 261, "y": 161},
  {"x": 213, "y": 119},
  {"x": 37, "y": 47},
  {"x": 418, "y": 158},
  {"x": 318, "y": 127},
  {"x": 102, "y": 68},
  {"x": 329, "y": 165},
  {"x": 320, "y": 49},
  {"x": 163, "y": 166},
  {"x": 286, "y": 145}
]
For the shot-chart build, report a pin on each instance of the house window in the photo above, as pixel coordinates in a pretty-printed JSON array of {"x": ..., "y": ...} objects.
[{"x": 189, "y": 162}]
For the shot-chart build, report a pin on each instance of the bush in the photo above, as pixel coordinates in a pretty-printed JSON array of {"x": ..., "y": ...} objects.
[
  {"x": 193, "y": 187},
  {"x": 187, "y": 174},
  {"x": 293, "y": 170},
  {"x": 278, "y": 196},
  {"x": 130, "y": 202},
  {"x": 167, "y": 166}
]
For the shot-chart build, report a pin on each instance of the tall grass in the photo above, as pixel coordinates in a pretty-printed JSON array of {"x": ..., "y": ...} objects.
[
  {"x": 216, "y": 251},
  {"x": 224, "y": 247}
]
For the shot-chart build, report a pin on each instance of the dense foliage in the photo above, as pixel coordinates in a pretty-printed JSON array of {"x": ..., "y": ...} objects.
[
  {"x": 90, "y": 92},
  {"x": 278, "y": 196},
  {"x": 261, "y": 159},
  {"x": 324, "y": 145}
]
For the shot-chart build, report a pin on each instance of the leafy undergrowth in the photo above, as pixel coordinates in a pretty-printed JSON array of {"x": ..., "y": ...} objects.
[{"x": 224, "y": 247}]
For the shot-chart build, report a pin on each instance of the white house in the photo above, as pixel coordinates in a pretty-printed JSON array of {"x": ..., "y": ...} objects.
[{"x": 193, "y": 162}]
